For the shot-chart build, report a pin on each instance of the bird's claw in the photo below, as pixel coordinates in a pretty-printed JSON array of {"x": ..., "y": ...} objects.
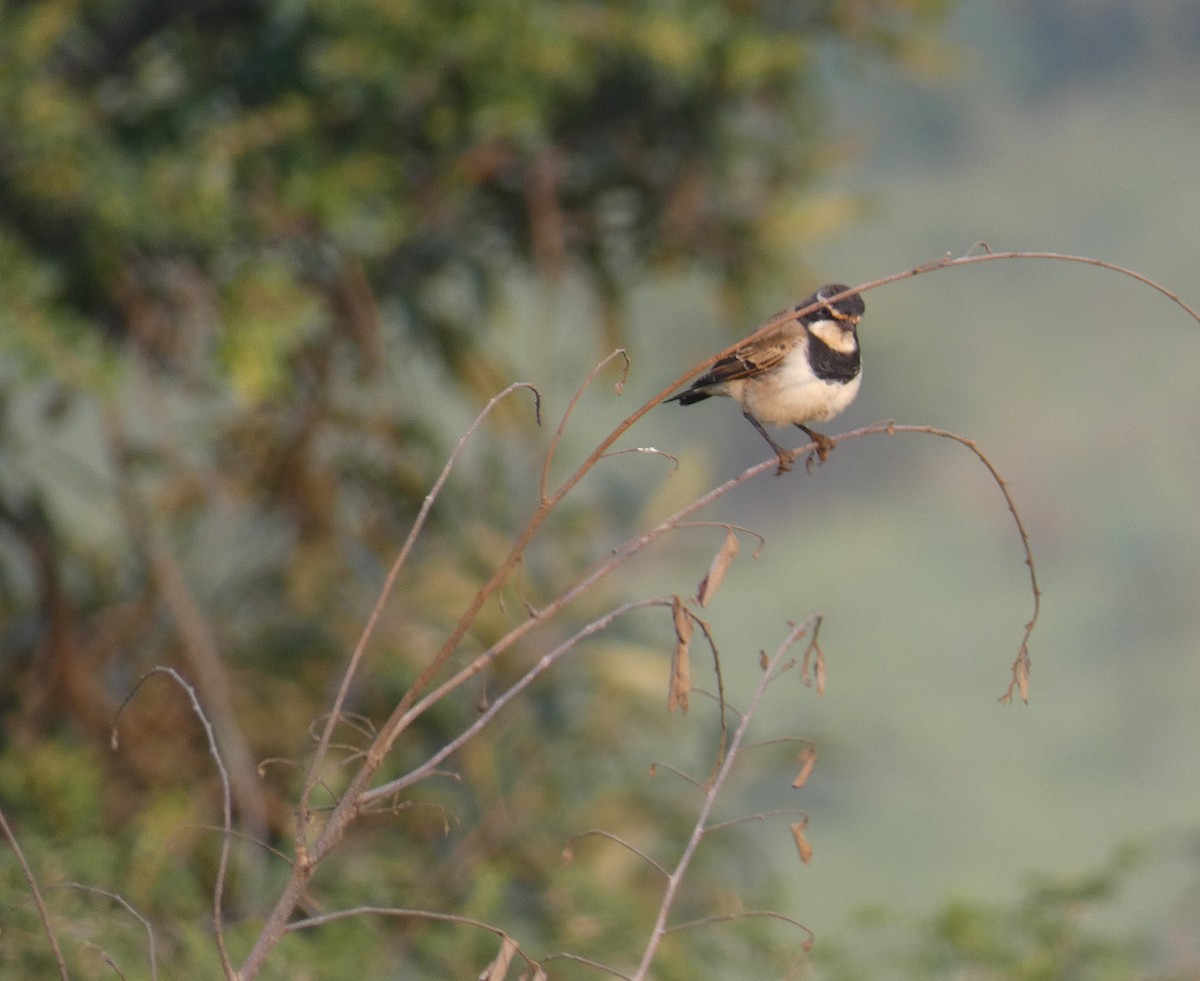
[{"x": 823, "y": 445}]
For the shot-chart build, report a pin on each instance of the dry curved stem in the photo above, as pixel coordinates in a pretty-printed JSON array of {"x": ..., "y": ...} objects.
[
  {"x": 743, "y": 915},
  {"x": 569, "y": 850},
  {"x": 122, "y": 901},
  {"x": 544, "y": 478},
  {"x": 719, "y": 697},
  {"x": 759, "y": 816},
  {"x": 339, "y": 701},
  {"x": 242, "y": 836},
  {"x": 700, "y": 828},
  {"x": 548, "y": 660},
  {"x": 410, "y": 914},
  {"x": 105, "y": 956},
  {"x": 1021, "y": 664},
  {"x": 586, "y": 962},
  {"x": 972, "y": 258},
  {"x": 686, "y": 777},
  {"x": 226, "y": 800},
  {"x": 648, "y": 450},
  {"x": 43, "y": 914},
  {"x": 729, "y": 526},
  {"x": 1020, "y": 667}
]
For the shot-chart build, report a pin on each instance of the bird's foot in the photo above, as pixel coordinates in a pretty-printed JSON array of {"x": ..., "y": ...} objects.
[
  {"x": 824, "y": 444},
  {"x": 786, "y": 459}
]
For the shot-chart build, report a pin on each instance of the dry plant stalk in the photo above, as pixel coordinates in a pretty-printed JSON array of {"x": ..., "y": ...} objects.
[{"x": 34, "y": 891}]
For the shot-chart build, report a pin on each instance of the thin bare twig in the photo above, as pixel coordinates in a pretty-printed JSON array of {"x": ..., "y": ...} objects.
[
  {"x": 722, "y": 705},
  {"x": 648, "y": 450},
  {"x": 478, "y": 664},
  {"x": 106, "y": 957},
  {"x": 728, "y": 526},
  {"x": 675, "y": 771},
  {"x": 744, "y": 914},
  {"x": 544, "y": 477},
  {"x": 1020, "y": 667},
  {"x": 343, "y": 692},
  {"x": 586, "y": 962},
  {"x": 759, "y": 816},
  {"x": 675, "y": 881},
  {"x": 116, "y": 898},
  {"x": 37, "y": 896},
  {"x": 600, "y": 833},
  {"x": 226, "y": 800},
  {"x": 1021, "y": 664},
  {"x": 199, "y": 647},
  {"x": 409, "y": 914}
]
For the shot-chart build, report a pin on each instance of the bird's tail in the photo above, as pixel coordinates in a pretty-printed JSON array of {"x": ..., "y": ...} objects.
[{"x": 688, "y": 396}]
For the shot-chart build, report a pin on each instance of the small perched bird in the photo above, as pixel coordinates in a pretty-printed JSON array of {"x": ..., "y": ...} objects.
[{"x": 806, "y": 368}]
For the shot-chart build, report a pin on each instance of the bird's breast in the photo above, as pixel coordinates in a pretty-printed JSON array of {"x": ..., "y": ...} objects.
[{"x": 792, "y": 393}]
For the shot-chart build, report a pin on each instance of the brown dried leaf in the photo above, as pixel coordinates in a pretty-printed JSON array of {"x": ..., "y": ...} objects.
[
  {"x": 498, "y": 969},
  {"x": 802, "y": 845},
  {"x": 807, "y": 759},
  {"x": 681, "y": 662},
  {"x": 718, "y": 567},
  {"x": 812, "y": 672}
]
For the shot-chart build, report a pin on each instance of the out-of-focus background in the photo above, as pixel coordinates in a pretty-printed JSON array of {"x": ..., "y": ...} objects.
[
  {"x": 1064, "y": 127},
  {"x": 261, "y": 263}
]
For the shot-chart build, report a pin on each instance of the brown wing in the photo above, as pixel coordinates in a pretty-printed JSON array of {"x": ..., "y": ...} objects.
[{"x": 750, "y": 359}]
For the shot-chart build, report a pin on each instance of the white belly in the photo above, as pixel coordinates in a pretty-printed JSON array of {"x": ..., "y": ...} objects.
[{"x": 784, "y": 401}]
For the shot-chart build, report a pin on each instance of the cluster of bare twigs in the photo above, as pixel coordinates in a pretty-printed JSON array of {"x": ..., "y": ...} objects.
[{"x": 319, "y": 830}]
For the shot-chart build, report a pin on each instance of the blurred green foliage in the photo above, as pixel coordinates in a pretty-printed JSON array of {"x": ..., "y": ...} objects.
[
  {"x": 251, "y": 253},
  {"x": 1060, "y": 929}
]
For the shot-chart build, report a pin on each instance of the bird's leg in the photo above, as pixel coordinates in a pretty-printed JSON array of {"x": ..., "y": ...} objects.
[
  {"x": 824, "y": 443},
  {"x": 786, "y": 457}
]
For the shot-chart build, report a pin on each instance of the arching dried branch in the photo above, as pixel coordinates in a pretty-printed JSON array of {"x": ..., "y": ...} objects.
[
  {"x": 122, "y": 901},
  {"x": 43, "y": 914},
  {"x": 511, "y": 948},
  {"x": 226, "y": 800}
]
